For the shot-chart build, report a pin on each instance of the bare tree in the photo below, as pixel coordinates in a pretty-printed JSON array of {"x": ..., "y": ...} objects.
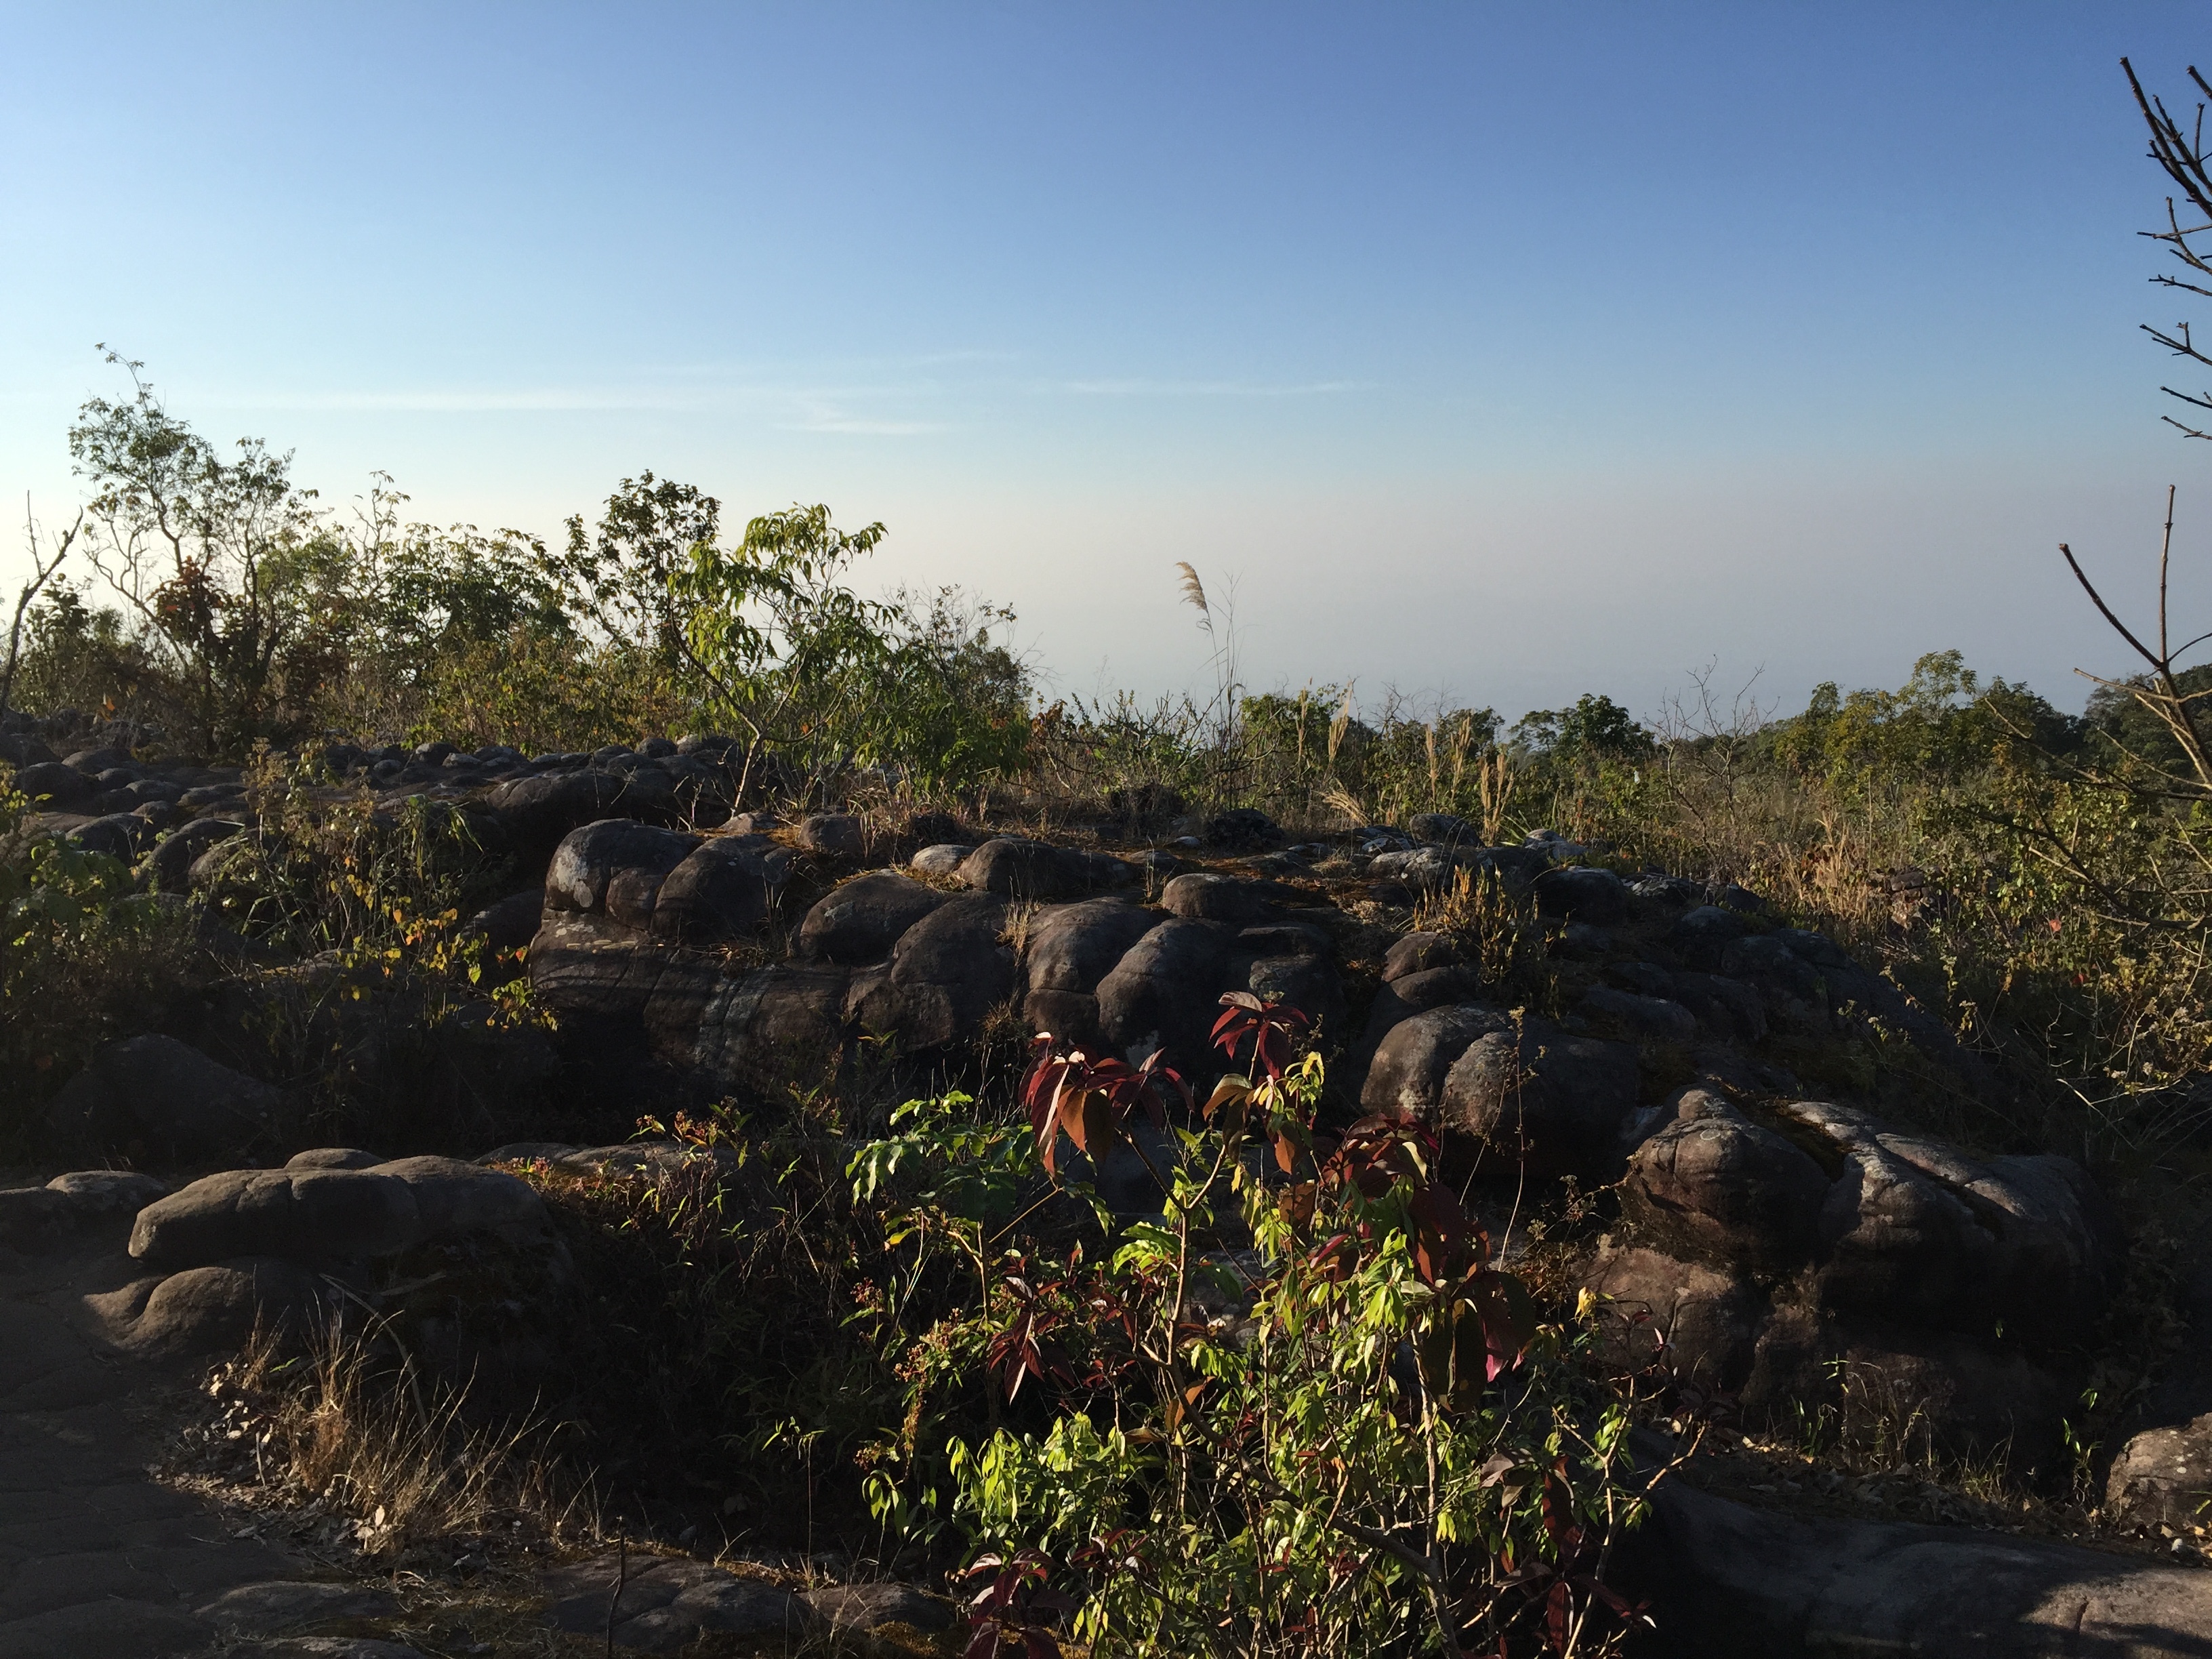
[
  {"x": 2181, "y": 155},
  {"x": 43, "y": 567}
]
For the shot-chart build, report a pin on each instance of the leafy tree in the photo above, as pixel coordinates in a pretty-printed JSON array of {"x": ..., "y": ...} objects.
[
  {"x": 235, "y": 580},
  {"x": 1595, "y": 727}
]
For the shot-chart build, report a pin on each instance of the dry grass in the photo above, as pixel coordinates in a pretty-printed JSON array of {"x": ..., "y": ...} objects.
[{"x": 387, "y": 1470}]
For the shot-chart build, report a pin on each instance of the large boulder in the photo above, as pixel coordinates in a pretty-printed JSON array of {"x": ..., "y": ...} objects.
[
  {"x": 617, "y": 867},
  {"x": 1218, "y": 898},
  {"x": 54, "y": 787},
  {"x": 659, "y": 1604},
  {"x": 536, "y": 812},
  {"x": 1914, "y": 1229},
  {"x": 298, "y": 1215},
  {"x": 724, "y": 890},
  {"x": 1161, "y": 994},
  {"x": 1074, "y": 946},
  {"x": 772, "y": 1023},
  {"x": 1728, "y": 1582},
  {"x": 1699, "y": 1325},
  {"x": 2163, "y": 1476},
  {"x": 1034, "y": 870},
  {"x": 154, "y": 1097},
  {"x": 455, "y": 1200},
  {"x": 834, "y": 835},
  {"x": 859, "y": 922},
  {"x": 170, "y": 863},
  {"x": 1579, "y": 894},
  {"x": 1406, "y": 1077},
  {"x": 1542, "y": 1100},
  {"x": 314, "y": 1215},
  {"x": 215, "y": 1308},
  {"x": 38, "y": 1218},
  {"x": 946, "y": 973},
  {"x": 1715, "y": 1185}
]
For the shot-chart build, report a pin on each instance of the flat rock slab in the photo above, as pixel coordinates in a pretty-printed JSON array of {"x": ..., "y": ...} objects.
[
  {"x": 96, "y": 1560},
  {"x": 280, "y": 1607},
  {"x": 656, "y": 1605},
  {"x": 1734, "y": 1582},
  {"x": 337, "y": 1647}
]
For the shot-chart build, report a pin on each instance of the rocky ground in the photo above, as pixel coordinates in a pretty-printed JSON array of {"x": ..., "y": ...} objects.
[{"x": 1734, "y": 1106}]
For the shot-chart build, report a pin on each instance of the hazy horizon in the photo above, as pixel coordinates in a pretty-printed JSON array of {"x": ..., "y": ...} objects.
[{"x": 1496, "y": 356}]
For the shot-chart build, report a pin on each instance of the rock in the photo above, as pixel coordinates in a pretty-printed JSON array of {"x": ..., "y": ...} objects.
[
  {"x": 1718, "y": 1188},
  {"x": 1447, "y": 829},
  {"x": 1161, "y": 994},
  {"x": 1398, "y": 1000},
  {"x": 1729, "y": 896},
  {"x": 2163, "y": 1476},
  {"x": 665, "y": 1605},
  {"x": 279, "y": 1608},
  {"x": 1769, "y": 963},
  {"x": 945, "y": 859},
  {"x": 1242, "y": 829},
  {"x": 1307, "y": 983},
  {"x": 1072, "y": 947},
  {"x": 1597, "y": 897},
  {"x": 93, "y": 762},
  {"x": 337, "y": 1647},
  {"x": 1543, "y": 1101},
  {"x": 94, "y": 1193},
  {"x": 763, "y": 1025},
  {"x": 861, "y": 920},
  {"x": 454, "y": 1199},
  {"x": 537, "y": 811},
  {"x": 1410, "y": 1064},
  {"x": 1704, "y": 933},
  {"x": 834, "y": 835},
  {"x": 604, "y": 982},
  {"x": 167, "y": 1099},
  {"x": 946, "y": 973},
  {"x": 1728, "y": 1582},
  {"x": 1069, "y": 1018},
  {"x": 1914, "y": 1229},
  {"x": 334, "y": 1157},
  {"x": 931, "y": 829},
  {"x": 510, "y": 924},
  {"x": 1649, "y": 1017},
  {"x": 724, "y": 890},
  {"x": 1673, "y": 890},
  {"x": 1423, "y": 868},
  {"x": 118, "y": 835},
  {"x": 616, "y": 866},
  {"x": 526, "y": 1152},
  {"x": 33, "y": 1218},
  {"x": 845, "y": 1608},
  {"x": 1218, "y": 898},
  {"x": 1730, "y": 1010},
  {"x": 171, "y": 862},
  {"x": 1417, "y": 953},
  {"x": 213, "y": 1308},
  {"x": 301, "y": 1215},
  {"x": 1036, "y": 871},
  {"x": 20, "y": 750},
  {"x": 1700, "y": 1325}
]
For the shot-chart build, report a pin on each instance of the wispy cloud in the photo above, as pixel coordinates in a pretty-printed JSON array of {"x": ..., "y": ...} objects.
[
  {"x": 833, "y": 420},
  {"x": 1141, "y": 388}
]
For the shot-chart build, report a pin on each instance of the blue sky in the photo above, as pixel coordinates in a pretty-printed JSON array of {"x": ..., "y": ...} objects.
[{"x": 1496, "y": 352}]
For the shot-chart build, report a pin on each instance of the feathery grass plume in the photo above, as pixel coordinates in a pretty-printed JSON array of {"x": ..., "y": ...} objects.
[{"x": 1194, "y": 594}]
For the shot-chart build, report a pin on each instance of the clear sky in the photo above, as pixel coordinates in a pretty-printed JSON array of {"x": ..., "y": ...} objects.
[{"x": 1499, "y": 352}]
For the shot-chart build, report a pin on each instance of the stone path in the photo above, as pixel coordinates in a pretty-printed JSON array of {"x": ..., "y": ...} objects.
[{"x": 96, "y": 1559}]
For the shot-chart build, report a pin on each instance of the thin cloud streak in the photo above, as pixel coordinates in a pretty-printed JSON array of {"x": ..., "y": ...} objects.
[{"x": 1203, "y": 388}]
